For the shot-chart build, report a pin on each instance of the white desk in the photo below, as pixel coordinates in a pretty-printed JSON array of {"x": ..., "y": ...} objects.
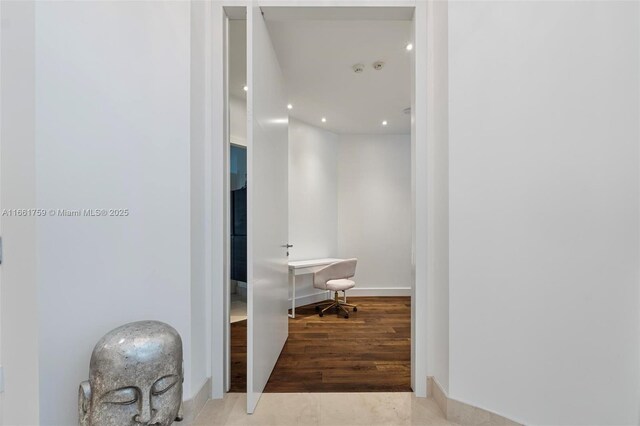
[{"x": 303, "y": 267}]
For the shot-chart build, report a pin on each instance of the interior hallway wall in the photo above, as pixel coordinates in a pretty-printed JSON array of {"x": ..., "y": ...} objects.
[
  {"x": 374, "y": 210},
  {"x": 544, "y": 186},
  {"x": 201, "y": 204},
  {"x": 18, "y": 308},
  {"x": 112, "y": 132},
  {"x": 438, "y": 195}
]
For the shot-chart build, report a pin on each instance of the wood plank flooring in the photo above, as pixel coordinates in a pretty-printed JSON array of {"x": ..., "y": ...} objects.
[
  {"x": 238, "y": 374},
  {"x": 369, "y": 352}
]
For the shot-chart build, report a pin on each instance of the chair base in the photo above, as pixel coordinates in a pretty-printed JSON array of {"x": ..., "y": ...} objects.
[{"x": 336, "y": 303}]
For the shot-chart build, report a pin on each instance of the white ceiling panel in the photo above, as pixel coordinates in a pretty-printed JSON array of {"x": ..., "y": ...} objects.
[{"x": 317, "y": 56}]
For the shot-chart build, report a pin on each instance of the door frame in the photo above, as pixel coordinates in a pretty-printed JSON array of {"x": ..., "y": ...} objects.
[{"x": 422, "y": 176}]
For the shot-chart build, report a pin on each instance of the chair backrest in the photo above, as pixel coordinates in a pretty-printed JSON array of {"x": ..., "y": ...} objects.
[{"x": 335, "y": 271}]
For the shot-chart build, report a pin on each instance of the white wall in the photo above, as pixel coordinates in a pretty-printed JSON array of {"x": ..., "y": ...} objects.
[
  {"x": 544, "y": 209},
  {"x": 350, "y": 196},
  {"x": 438, "y": 195},
  {"x": 374, "y": 209},
  {"x": 201, "y": 211},
  {"x": 17, "y": 166},
  {"x": 313, "y": 196},
  {"x": 112, "y": 131},
  {"x": 238, "y": 120}
]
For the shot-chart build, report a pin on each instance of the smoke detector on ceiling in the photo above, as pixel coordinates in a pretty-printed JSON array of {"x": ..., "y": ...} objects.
[
  {"x": 378, "y": 65},
  {"x": 358, "y": 68}
]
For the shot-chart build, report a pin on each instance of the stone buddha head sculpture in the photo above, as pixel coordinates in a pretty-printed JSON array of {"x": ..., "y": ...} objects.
[{"x": 135, "y": 377}]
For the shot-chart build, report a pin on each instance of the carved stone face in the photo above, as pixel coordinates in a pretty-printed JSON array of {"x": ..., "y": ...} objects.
[{"x": 135, "y": 377}]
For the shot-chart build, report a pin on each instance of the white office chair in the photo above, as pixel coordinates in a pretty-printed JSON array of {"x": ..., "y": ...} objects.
[{"x": 335, "y": 277}]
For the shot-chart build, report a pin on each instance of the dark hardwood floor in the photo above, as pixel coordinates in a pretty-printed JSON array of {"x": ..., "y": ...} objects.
[
  {"x": 369, "y": 352},
  {"x": 238, "y": 357}
]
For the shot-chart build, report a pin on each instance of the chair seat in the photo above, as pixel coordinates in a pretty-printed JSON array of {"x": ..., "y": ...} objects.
[{"x": 340, "y": 285}]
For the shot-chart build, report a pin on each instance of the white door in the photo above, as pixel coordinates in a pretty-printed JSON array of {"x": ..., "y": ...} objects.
[{"x": 267, "y": 216}]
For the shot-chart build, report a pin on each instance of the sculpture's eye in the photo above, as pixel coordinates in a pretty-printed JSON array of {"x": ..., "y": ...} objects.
[
  {"x": 164, "y": 384},
  {"x": 124, "y": 396}
]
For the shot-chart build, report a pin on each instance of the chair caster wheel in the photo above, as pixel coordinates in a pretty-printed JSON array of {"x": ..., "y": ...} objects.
[
  {"x": 321, "y": 314},
  {"x": 355, "y": 309},
  {"x": 346, "y": 316},
  {"x": 317, "y": 308}
]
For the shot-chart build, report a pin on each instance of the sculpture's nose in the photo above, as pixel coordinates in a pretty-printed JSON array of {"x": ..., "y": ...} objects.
[{"x": 145, "y": 413}]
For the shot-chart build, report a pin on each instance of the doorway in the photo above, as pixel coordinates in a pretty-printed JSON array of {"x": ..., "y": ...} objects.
[
  {"x": 291, "y": 14},
  {"x": 349, "y": 91},
  {"x": 237, "y": 320}
]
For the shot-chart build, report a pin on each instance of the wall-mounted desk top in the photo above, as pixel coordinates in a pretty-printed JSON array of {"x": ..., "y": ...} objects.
[
  {"x": 299, "y": 264},
  {"x": 302, "y": 267}
]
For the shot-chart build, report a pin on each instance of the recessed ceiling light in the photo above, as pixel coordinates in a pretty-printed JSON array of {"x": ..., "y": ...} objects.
[
  {"x": 409, "y": 46},
  {"x": 245, "y": 88},
  {"x": 324, "y": 120},
  {"x": 289, "y": 106},
  {"x": 384, "y": 123}
]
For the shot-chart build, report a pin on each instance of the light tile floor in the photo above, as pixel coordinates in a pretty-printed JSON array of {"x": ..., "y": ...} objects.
[{"x": 324, "y": 409}]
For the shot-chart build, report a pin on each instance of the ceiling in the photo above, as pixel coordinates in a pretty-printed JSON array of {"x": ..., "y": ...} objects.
[
  {"x": 317, "y": 57},
  {"x": 237, "y": 57},
  {"x": 338, "y": 13}
]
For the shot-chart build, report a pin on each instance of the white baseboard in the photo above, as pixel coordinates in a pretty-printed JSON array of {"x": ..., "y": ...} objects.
[
  {"x": 463, "y": 413},
  {"x": 307, "y": 299},
  {"x": 192, "y": 407}
]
